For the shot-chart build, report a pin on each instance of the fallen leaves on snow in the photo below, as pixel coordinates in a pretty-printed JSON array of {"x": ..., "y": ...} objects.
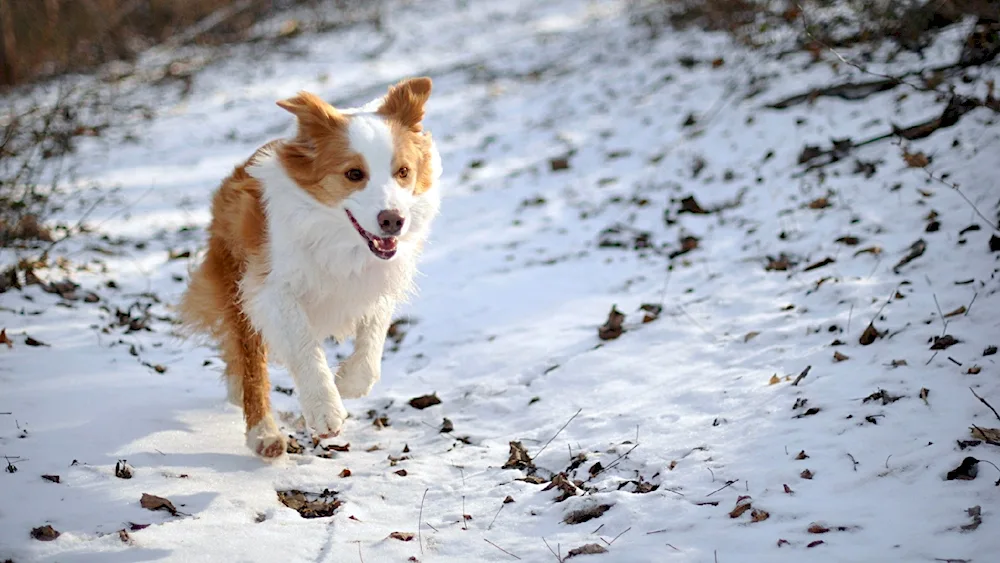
[
  {"x": 869, "y": 335},
  {"x": 966, "y": 471},
  {"x": 153, "y": 502},
  {"x": 45, "y": 533},
  {"x": 310, "y": 505},
  {"x": 519, "y": 458},
  {"x": 589, "y": 549},
  {"x": 425, "y": 401},
  {"x": 612, "y": 328},
  {"x": 944, "y": 342},
  {"x": 586, "y": 514},
  {"x": 917, "y": 250}
]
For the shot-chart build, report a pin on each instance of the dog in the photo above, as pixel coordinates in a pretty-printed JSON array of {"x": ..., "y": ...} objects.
[{"x": 316, "y": 236}]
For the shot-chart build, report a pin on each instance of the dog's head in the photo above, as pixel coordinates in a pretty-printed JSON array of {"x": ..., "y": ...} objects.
[{"x": 375, "y": 165}]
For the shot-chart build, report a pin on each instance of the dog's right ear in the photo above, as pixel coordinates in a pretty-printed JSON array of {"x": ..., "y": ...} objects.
[{"x": 315, "y": 116}]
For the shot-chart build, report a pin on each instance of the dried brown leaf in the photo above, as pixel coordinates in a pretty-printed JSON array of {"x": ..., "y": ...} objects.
[
  {"x": 52, "y": 478},
  {"x": 402, "y": 536},
  {"x": 750, "y": 336},
  {"x": 991, "y": 435},
  {"x": 589, "y": 549},
  {"x": 973, "y": 370},
  {"x": 742, "y": 505},
  {"x": 758, "y": 515},
  {"x": 806, "y": 474},
  {"x": 817, "y": 529},
  {"x": 915, "y": 160},
  {"x": 774, "y": 380},
  {"x": 612, "y": 328},
  {"x": 802, "y": 455},
  {"x": 311, "y": 505},
  {"x": 956, "y": 312},
  {"x": 819, "y": 203},
  {"x": 4, "y": 339},
  {"x": 869, "y": 335},
  {"x": 944, "y": 342},
  {"x": 153, "y": 502},
  {"x": 345, "y": 473},
  {"x": 838, "y": 357},
  {"x": 519, "y": 458},
  {"x": 45, "y": 533},
  {"x": 425, "y": 401},
  {"x": 873, "y": 250},
  {"x": 924, "y": 393},
  {"x": 586, "y": 514}
]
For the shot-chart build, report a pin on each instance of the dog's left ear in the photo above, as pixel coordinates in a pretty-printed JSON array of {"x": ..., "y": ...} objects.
[{"x": 405, "y": 102}]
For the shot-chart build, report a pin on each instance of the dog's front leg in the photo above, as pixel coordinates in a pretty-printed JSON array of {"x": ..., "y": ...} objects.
[
  {"x": 359, "y": 372},
  {"x": 285, "y": 327}
]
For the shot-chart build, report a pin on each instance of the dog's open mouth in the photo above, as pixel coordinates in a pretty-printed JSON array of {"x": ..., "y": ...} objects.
[{"x": 383, "y": 247}]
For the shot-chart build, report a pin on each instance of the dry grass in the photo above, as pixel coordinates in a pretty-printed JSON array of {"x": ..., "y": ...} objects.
[{"x": 42, "y": 38}]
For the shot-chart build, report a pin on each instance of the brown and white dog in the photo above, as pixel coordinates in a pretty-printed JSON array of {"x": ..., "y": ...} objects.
[{"x": 316, "y": 236}]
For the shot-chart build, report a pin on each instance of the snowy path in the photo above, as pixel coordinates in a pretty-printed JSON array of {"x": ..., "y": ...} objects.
[{"x": 514, "y": 288}]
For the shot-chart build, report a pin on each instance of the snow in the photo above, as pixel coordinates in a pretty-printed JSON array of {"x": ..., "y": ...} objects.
[{"x": 513, "y": 289}]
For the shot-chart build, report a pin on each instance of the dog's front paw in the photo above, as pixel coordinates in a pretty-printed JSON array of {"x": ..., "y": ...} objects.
[
  {"x": 354, "y": 382},
  {"x": 326, "y": 417},
  {"x": 265, "y": 439}
]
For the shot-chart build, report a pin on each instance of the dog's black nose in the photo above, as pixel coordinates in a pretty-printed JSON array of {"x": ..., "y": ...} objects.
[{"x": 391, "y": 222}]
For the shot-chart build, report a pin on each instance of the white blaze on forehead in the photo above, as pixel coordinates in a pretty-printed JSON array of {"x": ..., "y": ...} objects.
[{"x": 371, "y": 137}]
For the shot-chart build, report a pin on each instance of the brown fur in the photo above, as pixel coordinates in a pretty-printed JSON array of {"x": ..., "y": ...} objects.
[
  {"x": 317, "y": 159},
  {"x": 237, "y": 241}
]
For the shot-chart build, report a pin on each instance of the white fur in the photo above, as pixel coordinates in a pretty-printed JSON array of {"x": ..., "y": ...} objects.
[{"x": 325, "y": 281}]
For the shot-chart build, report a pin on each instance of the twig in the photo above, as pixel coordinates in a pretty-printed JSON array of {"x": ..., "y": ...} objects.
[
  {"x": 557, "y": 433},
  {"x": 849, "y": 315},
  {"x": 954, "y": 361},
  {"x": 995, "y": 466},
  {"x": 801, "y": 376},
  {"x": 983, "y": 401},
  {"x": 672, "y": 547},
  {"x": 928, "y": 362},
  {"x": 618, "y": 536},
  {"x": 896, "y": 79},
  {"x": 490, "y": 527},
  {"x": 554, "y": 554},
  {"x": 597, "y": 530},
  {"x": 854, "y": 461},
  {"x": 501, "y": 549},
  {"x": 944, "y": 329},
  {"x": 729, "y": 483},
  {"x": 656, "y": 532},
  {"x": 361, "y": 557},
  {"x": 716, "y": 552},
  {"x": 955, "y": 187},
  {"x": 713, "y": 472},
  {"x": 887, "y": 461},
  {"x": 969, "y": 308},
  {"x": 619, "y": 458},
  {"x": 420, "y": 520}
]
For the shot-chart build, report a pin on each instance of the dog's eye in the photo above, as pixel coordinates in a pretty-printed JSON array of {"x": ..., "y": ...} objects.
[
  {"x": 355, "y": 175},
  {"x": 403, "y": 172}
]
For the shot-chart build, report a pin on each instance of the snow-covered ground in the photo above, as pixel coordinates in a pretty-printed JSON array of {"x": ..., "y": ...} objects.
[{"x": 522, "y": 271}]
